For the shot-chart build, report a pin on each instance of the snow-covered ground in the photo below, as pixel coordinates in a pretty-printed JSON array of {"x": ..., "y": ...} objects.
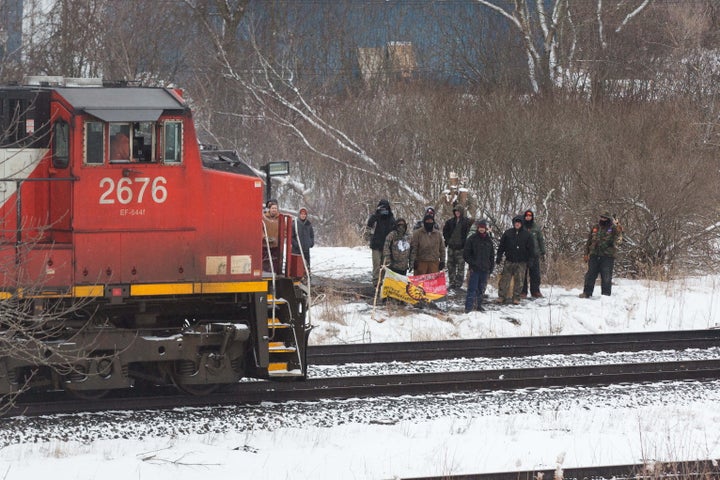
[{"x": 390, "y": 438}]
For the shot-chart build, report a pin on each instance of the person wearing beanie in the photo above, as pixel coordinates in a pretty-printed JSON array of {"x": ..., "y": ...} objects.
[
  {"x": 396, "y": 253},
  {"x": 479, "y": 254},
  {"x": 380, "y": 223},
  {"x": 516, "y": 244},
  {"x": 600, "y": 251},
  {"x": 427, "y": 249},
  {"x": 533, "y": 266},
  {"x": 455, "y": 232},
  {"x": 303, "y": 237}
]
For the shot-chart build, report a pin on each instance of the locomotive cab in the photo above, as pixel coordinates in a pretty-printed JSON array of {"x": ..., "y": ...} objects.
[{"x": 110, "y": 215}]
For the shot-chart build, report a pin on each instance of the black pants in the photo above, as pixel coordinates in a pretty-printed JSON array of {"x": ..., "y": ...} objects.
[
  {"x": 532, "y": 270},
  {"x": 604, "y": 267}
]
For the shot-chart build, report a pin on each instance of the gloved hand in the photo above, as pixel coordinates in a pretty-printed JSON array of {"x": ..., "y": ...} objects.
[
  {"x": 586, "y": 258},
  {"x": 441, "y": 266}
]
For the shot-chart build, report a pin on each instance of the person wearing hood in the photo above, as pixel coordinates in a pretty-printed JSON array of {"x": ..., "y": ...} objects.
[
  {"x": 396, "y": 253},
  {"x": 427, "y": 250},
  {"x": 455, "y": 232},
  {"x": 303, "y": 236},
  {"x": 600, "y": 251},
  {"x": 478, "y": 253},
  {"x": 428, "y": 211},
  {"x": 533, "y": 266},
  {"x": 381, "y": 223},
  {"x": 516, "y": 244}
]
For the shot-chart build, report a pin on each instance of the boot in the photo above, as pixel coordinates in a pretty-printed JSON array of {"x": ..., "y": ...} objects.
[
  {"x": 538, "y": 295},
  {"x": 584, "y": 295},
  {"x": 500, "y": 300}
]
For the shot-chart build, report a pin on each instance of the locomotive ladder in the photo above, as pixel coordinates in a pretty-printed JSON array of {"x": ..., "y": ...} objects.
[{"x": 285, "y": 360}]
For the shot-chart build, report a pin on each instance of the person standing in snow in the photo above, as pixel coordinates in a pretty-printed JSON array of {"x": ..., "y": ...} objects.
[
  {"x": 427, "y": 250},
  {"x": 455, "y": 233},
  {"x": 381, "y": 223},
  {"x": 516, "y": 244},
  {"x": 303, "y": 237},
  {"x": 478, "y": 253},
  {"x": 533, "y": 265},
  {"x": 600, "y": 250},
  {"x": 396, "y": 252}
]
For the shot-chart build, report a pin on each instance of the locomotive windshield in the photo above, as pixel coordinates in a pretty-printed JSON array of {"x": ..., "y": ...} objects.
[{"x": 141, "y": 142}]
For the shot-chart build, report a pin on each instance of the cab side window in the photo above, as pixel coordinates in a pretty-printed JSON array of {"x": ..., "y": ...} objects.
[
  {"x": 94, "y": 143},
  {"x": 172, "y": 142},
  {"x": 143, "y": 141},
  {"x": 61, "y": 144},
  {"x": 119, "y": 142}
]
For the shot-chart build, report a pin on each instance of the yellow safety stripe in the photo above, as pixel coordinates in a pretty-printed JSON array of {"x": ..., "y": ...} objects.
[{"x": 150, "y": 289}]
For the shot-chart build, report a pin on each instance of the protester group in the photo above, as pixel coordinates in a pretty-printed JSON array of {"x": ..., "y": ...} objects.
[{"x": 430, "y": 248}]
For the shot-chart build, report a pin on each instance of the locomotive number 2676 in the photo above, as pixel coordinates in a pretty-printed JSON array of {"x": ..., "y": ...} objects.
[{"x": 126, "y": 190}]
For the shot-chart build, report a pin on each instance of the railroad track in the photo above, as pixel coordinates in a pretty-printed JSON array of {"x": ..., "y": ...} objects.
[
  {"x": 395, "y": 385},
  {"x": 512, "y": 347},
  {"x": 701, "y": 469}
]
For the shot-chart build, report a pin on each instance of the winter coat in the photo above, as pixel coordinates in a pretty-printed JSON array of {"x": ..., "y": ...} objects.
[
  {"x": 272, "y": 225},
  {"x": 383, "y": 222},
  {"x": 426, "y": 246},
  {"x": 457, "y": 240},
  {"x": 305, "y": 233},
  {"x": 604, "y": 240},
  {"x": 517, "y": 245},
  {"x": 538, "y": 238},
  {"x": 479, "y": 253},
  {"x": 396, "y": 252}
]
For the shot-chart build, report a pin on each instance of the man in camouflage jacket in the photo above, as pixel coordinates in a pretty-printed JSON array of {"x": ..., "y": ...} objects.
[
  {"x": 396, "y": 252},
  {"x": 600, "y": 250}
]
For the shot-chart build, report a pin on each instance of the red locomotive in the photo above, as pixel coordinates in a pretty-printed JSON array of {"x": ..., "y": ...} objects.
[{"x": 129, "y": 254}]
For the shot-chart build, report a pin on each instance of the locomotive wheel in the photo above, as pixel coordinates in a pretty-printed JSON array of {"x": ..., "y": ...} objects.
[{"x": 195, "y": 390}]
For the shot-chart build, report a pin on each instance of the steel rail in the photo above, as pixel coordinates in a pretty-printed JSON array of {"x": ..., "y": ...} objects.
[
  {"x": 686, "y": 470},
  {"x": 512, "y": 346},
  {"x": 398, "y": 385}
]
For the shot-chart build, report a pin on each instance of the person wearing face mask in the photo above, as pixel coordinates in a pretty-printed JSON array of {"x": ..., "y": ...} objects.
[
  {"x": 396, "y": 252},
  {"x": 516, "y": 244},
  {"x": 427, "y": 249},
  {"x": 600, "y": 250},
  {"x": 479, "y": 254},
  {"x": 380, "y": 223}
]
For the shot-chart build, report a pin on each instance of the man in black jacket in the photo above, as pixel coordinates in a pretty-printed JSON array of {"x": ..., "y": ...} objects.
[
  {"x": 479, "y": 254},
  {"x": 455, "y": 231},
  {"x": 518, "y": 247},
  {"x": 381, "y": 222}
]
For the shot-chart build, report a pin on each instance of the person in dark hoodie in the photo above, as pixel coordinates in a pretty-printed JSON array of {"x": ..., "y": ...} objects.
[
  {"x": 303, "y": 236},
  {"x": 533, "y": 266},
  {"x": 517, "y": 246},
  {"x": 455, "y": 233},
  {"x": 478, "y": 253},
  {"x": 382, "y": 222}
]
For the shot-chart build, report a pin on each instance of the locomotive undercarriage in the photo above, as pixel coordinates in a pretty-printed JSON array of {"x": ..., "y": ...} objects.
[{"x": 192, "y": 343}]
